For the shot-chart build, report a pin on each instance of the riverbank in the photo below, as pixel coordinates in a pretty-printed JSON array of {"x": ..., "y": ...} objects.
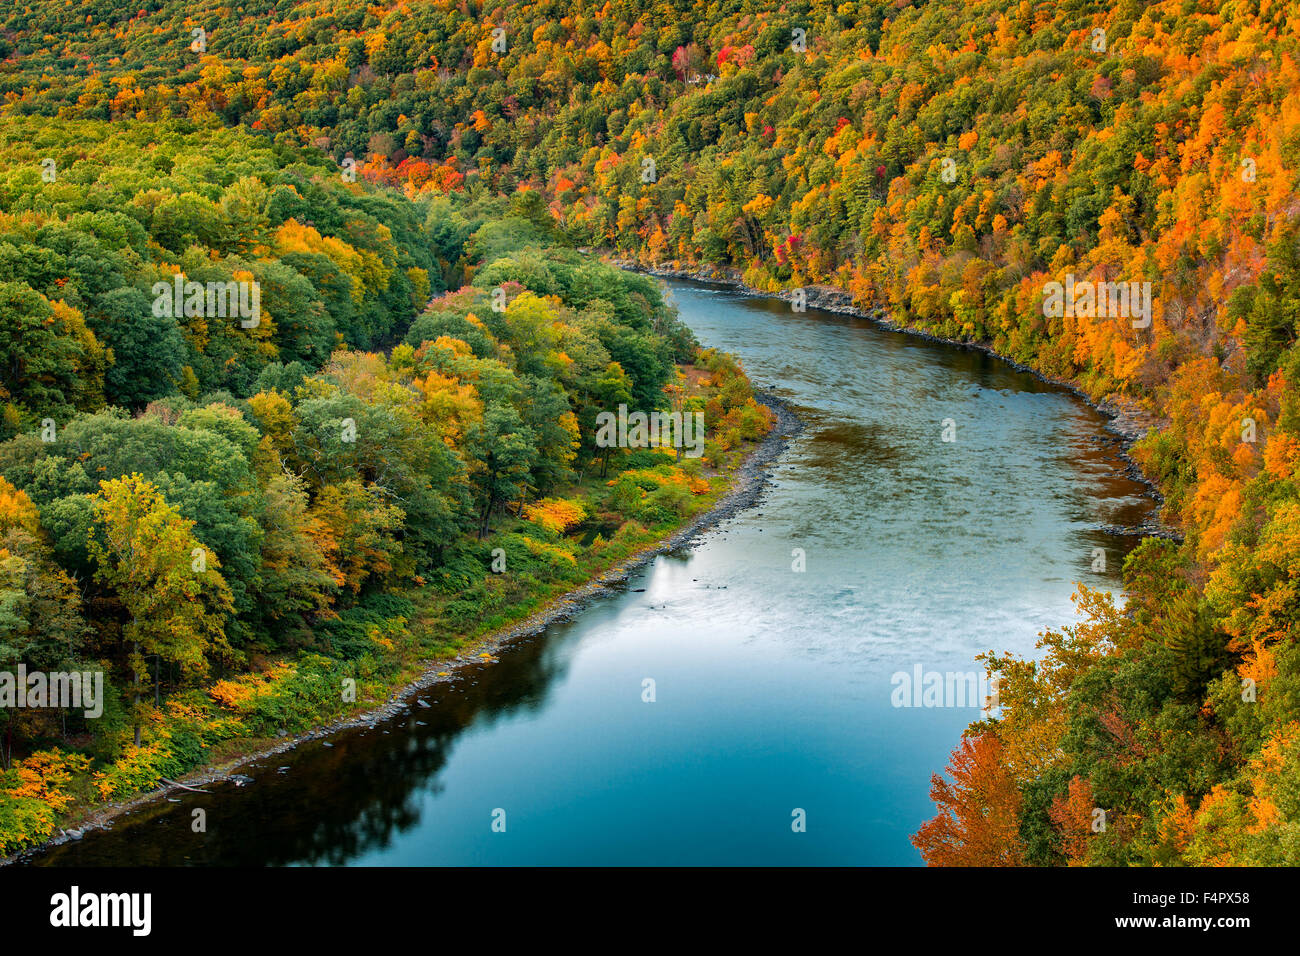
[
  {"x": 1126, "y": 421},
  {"x": 748, "y": 482}
]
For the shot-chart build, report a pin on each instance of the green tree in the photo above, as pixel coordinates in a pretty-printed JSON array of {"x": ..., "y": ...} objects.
[
  {"x": 47, "y": 356},
  {"x": 505, "y": 449},
  {"x": 148, "y": 350}
]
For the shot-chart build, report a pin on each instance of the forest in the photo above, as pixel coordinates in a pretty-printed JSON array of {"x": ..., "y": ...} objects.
[
  {"x": 254, "y": 528},
  {"x": 944, "y": 161}
]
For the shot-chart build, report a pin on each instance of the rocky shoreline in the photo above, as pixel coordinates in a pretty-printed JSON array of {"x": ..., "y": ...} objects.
[
  {"x": 748, "y": 484},
  {"x": 1127, "y": 423}
]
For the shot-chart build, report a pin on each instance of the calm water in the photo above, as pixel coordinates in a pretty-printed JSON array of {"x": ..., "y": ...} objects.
[{"x": 772, "y": 687}]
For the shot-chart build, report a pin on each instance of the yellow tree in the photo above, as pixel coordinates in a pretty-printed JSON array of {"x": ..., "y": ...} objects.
[
  {"x": 676, "y": 392},
  {"x": 168, "y": 583}
]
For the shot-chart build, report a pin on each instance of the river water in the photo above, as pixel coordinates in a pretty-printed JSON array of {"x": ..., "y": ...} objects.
[{"x": 772, "y": 687}]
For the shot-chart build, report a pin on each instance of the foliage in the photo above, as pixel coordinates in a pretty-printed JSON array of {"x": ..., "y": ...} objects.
[{"x": 234, "y": 522}]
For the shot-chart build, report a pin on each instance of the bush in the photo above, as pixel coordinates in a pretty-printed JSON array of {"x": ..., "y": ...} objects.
[{"x": 32, "y": 794}]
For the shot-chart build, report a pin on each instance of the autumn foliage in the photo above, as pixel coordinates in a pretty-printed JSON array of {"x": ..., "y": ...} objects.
[
  {"x": 230, "y": 521},
  {"x": 978, "y": 810},
  {"x": 941, "y": 161}
]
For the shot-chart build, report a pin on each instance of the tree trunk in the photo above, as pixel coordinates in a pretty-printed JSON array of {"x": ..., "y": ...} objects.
[{"x": 135, "y": 675}]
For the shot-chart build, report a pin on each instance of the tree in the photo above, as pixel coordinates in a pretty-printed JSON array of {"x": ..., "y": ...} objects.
[
  {"x": 40, "y": 608},
  {"x": 40, "y": 612},
  {"x": 505, "y": 450},
  {"x": 173, "y": 595},
  {"x": 148, "y": 350},
  {"x": 978, "y": 821},
  {"x": 611, "y": 390},
  {"x": 48, "y": 357},
  {"x": 356, "y": 529},
  {"x": 547, "y": 414},
  {"x": 1073, "y": 814},
  {"x": 295, "y": 583}
]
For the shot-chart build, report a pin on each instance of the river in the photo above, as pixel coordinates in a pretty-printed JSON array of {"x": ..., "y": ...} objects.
[{"x": 772, "y": 686}]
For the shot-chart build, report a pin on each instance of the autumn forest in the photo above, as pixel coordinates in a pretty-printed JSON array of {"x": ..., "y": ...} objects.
[{"x": 432, "y": 199}]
